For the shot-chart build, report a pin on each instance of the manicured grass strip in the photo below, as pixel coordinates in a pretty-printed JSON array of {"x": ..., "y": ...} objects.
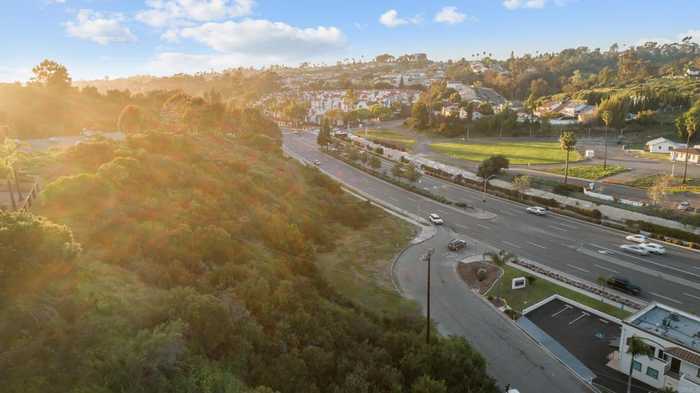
[
  {"x": 388, "y": 137},
  {"x": 517, "y": 152},
  {"x": 591, "y": 172},
  {"x": 519, "y": 299},
  {"x": 676, "y": 185}
]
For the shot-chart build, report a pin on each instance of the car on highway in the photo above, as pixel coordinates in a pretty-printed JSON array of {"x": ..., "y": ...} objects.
[
  {"x": 637, "y": 238},
  {"x": 456, "y": 244},
  {"x": 435, "y": 219},
  {"x": 654, "y": 248},
  {"x": 623, "y": 285},
  {"x": 537, "y": 210},
  {"x": 634, "y": 249},
  {"x": 317, "y": 162}
]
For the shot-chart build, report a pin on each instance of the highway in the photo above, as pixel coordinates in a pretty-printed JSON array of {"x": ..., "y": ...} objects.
[{"x": 566, "y": 244}]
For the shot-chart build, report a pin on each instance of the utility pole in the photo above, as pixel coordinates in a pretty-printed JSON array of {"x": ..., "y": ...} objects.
[
  {"x": 605, "y": 141},
  {"x": 428, "y": 258}
]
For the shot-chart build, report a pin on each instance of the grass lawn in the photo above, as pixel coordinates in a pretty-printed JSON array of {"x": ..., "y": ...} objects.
[
  {"x": 360, "y": 265},
  {"x": 516, "y": 152},
  {"x": 675, "y": 187},
  {"x": 591, "y": 172},
  {"x": 652, "y": 156},
  {"x": 388, "y": 137},
  {"x": 541, "y": 289}
]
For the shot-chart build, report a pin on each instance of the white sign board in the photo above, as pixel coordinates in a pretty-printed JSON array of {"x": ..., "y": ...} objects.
[
  {"x": 519, "y": 283},
  {"x": 590, "y": 153}
]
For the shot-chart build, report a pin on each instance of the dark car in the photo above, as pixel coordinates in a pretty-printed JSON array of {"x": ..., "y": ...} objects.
[
  {"x": 623, "y": 284},
  {"x": 456, "y": 244}
]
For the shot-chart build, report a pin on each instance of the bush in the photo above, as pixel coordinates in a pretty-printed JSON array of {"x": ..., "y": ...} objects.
[
  {"x": 566, "y": 189},
  {"x": 481, "y": 274},
  {"x": 662, "y": 231}
]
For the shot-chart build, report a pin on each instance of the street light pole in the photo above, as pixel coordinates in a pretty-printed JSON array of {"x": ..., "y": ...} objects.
[{"x": 428, "y": 258}]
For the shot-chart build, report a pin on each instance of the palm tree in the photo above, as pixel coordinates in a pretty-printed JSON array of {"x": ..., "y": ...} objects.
[
  {"x": 692, "y": 122},
  {"x": 601, "y": 280},
  {"x": 567, "y": 141},
  {"x": 500, "y": 259},
  {"x": 636, "y": 347},
  {"x": 606, "y": 116}
]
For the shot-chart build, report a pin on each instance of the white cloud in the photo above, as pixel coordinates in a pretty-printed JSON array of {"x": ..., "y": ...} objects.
[
  {"x": 263, "y": 37},
  {"x": 169, "y": 63},
  {"x": 452, "y": 16},
  {"x": 164, "y": 13},
  {"x": 100, "y": 28},
  {"x": 515, "y": 4},
  {"x": 391, "y": 19},
  {"x": 693, "y": 34}
]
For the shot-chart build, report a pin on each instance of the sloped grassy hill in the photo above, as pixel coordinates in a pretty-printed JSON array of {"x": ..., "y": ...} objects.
[{"x": 189, "y": 264}]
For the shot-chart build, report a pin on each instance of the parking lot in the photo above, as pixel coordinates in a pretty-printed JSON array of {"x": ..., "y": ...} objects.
[{"x": 586, "y": 336}]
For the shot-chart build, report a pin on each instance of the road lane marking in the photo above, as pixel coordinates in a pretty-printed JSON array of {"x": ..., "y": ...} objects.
[
  {"x": 557, "y": 228},
  {"x": 566, "y": 225},
  {"x": 607, "y": 268},
  {"x": 577, "y": 268},
  {"x": 693, "y": 296},
  {"x": 670, "y": 299},
  {"x": 647, "y": 260},
  {"x": 537, "y": 245},
  {"x": 483, "y": 226},
  {"x": 510, "y": 244}
]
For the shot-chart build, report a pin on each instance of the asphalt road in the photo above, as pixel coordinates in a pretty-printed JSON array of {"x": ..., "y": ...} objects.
[{"x": 563, "y": 243}]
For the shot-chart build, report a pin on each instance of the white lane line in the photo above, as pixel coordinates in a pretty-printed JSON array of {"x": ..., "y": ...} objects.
[
  {"x": 607, "y": 268},
  {"x": 510, "y": 244},
  {"x": 577, "y": 268},
  {"x": 483, "y": 226},
  {"x": 647, "y": 260},
  {"x": 461, "y": 226},
  {"x": 537, "y": 245},
  {"x": 566, "y": 225},
  {"x": 693, "y": 296},
  {"x": 558, "y": 229},
  {"x": 583, "y": 315},
  {"x": 670, "y": 299},
  {"x": 566, "y": 307}
]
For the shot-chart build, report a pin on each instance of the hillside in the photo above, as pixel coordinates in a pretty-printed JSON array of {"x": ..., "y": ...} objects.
[{"x": 190, "y": 264}]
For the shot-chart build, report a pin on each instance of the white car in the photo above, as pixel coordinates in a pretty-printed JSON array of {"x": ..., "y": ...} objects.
[
  {"x": 435, "y": 219},
  {"x": 317, "y": 162},
  {"x": 637, "y": 238},
  {"x": 634, "y": 249},
  {"x": 537, "y": 210},
  {"x": 654, "y": 248}
]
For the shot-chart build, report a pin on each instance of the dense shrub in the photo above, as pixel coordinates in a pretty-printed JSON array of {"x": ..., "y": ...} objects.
[{"x": 566, "y": 189}]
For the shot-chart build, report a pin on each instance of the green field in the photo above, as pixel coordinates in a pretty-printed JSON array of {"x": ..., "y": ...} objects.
[
  {"x": 518, "y": 299},
  {"x": 388, "y": 137},
  {"x": 675, "y": 187},
  {"x": 590, "y": 172},
  {"x": 518, "y": 153}
]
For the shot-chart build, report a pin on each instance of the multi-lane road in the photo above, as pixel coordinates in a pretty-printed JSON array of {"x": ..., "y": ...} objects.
[{"x": 566, "y": 244}]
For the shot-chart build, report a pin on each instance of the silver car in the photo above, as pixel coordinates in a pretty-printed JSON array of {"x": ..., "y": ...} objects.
[
  {"x": 634, "y": 249},
  {"x": 654, "y": 248}
]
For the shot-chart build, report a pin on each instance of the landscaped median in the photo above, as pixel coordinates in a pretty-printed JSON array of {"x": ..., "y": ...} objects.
[{"x": 590, "y": 172}]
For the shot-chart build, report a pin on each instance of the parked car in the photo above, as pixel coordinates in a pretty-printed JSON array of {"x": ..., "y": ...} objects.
[
  {"x": 654, "y": 248},
  {"x": 634, "y": 249},
  {"x": 537, "y": 210},
  {"x": 456, "y": 244},
  {"x": 637, "y": 238},
  {"x": 435, "y": 219},
  {"x": 624, "y": 285}
]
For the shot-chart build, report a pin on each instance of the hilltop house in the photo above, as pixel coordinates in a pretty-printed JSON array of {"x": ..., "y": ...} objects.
[
  {"x": 674, "y": 336},
  {"x": 662, "y": 145}
]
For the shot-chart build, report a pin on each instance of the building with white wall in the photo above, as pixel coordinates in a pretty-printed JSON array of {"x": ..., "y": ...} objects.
[{"x": 674, "y": 336}]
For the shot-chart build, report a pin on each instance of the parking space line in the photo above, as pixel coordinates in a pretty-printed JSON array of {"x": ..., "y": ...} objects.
[
  {"x": 607, "y": 268},
  {"x": 510, "y": 244},
  {"x": 566, "y": 307},
  {"x": 583, "y": 315},
  {"x": 537, "y": 245},
  {"x": 578, "y": 268},
  {"x": 670, "y": 299},
  {"x": 693, "y": 296}
]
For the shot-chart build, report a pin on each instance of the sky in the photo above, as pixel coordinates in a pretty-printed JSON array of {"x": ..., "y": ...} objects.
[{"x": 116, "y": 38}]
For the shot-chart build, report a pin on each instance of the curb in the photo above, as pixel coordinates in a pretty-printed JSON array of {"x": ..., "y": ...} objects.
[{"x": 398, "y": 256}]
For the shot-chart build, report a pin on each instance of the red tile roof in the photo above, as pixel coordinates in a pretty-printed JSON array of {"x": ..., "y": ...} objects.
[{"x": 683, "y": 354}]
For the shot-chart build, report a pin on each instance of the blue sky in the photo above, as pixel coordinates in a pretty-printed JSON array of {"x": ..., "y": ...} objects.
[{"x": 97, "y": 38}]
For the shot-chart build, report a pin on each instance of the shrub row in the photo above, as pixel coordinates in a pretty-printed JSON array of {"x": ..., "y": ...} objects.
[{"x": 671, "y": 235}]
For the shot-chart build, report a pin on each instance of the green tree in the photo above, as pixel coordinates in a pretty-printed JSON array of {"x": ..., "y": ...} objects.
[
  {"x": 688, "y": 126},
  {"x": 492, "y": 166},
  {"x": 521, "y": 184},
  {"x": 130, "y": 119},
  {"x": 420, "y": 113},
  {"x": 411, "y": 173},
  {"x": 375, "y": 162},
  {"x": 500, "y": 259},
  {"x": 636, "y": 347},
  {"x": 567, "y": 142},
  {"x": 324, "y": 133},
  {"x": 52, "y": 75},
  {"x": 657, "y": 191},
  {"x": 613, "y": 112}
]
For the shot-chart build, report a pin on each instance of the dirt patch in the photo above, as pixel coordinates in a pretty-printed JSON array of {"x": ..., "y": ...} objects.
[{"x": 471, "y": 276}]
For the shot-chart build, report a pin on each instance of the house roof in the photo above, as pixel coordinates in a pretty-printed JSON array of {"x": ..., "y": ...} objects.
[
  {"x": 659, "y": 140},
  {"x": 683, "y": 354},
  {"x": 691, "y": 151}
]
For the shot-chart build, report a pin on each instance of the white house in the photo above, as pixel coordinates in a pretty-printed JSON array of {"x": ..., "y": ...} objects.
[
  {"x": 693, "y": 72},
  {"x": 693, "y": 155},
  {"x": 674, "y": 336},
  {"x": 662, "y": 145}
]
